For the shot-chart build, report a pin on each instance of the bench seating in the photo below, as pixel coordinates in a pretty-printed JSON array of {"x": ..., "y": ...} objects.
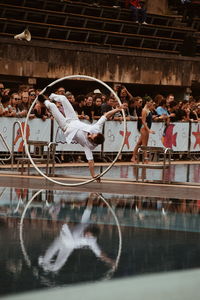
[
  {"x": 88, "y": 21},
  {"x": 88, "y": 35},
  {"x": 100, "y": 26}
]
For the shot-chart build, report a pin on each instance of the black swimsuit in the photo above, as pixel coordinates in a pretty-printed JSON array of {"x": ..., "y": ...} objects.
[{"x": 148, "y": 121}]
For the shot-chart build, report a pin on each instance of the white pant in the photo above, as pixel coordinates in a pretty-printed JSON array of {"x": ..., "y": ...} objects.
[{"x": 69, "y": 111}]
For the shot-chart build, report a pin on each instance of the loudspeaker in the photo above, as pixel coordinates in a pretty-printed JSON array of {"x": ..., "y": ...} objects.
[{"x": 25, "y": 35}]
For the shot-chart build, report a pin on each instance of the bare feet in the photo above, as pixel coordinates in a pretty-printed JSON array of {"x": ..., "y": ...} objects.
[{"x": 133, "y": 160}]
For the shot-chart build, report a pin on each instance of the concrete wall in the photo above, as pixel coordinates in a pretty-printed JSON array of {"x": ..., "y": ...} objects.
[
  {"x": 39, "y": 60},
  {"x": 157, "y": 7}
]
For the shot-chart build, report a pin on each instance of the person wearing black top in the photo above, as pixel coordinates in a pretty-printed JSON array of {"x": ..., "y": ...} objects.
[
  {"x": 144, "y": 126},
  {"x": 97, "y": 111}
]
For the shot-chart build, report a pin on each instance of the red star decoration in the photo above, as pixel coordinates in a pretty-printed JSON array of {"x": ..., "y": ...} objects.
[
  {"x": 126, "y": 142},
  {"x": 197, "y": 136}
]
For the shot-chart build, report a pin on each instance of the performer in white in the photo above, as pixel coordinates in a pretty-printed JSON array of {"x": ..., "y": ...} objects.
[
  {"x": 81, "y": 236},
  {"x": 89, "y": 136}
]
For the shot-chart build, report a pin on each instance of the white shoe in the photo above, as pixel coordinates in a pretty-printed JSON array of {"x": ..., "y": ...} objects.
[
  {"x": 136, "y": 22},
  {"x": 145, "y": 23}
]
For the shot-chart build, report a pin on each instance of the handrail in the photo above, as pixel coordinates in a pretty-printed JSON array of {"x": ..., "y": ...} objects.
[
  {"x": 169, "y": 150},
  {"x": 13, "y": 132},
  {"x": 49, "y": 157},
  {"x": 6, "y": 145},
  {"x": 163, "y": 150}
]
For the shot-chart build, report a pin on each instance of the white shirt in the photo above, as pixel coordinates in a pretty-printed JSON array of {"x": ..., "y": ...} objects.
[
  {"x": 65, "y": 244},
  {"x": 78, "y": 132},
  {"x": 72, "y": 127},
  {"x": 75, "y": 125}
]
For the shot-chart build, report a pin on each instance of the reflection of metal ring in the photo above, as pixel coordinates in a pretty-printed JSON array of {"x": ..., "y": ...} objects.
[
  {"x": 110, "y": 273},
  {"x": 25, "y": 254},
  {"x": 111, "y": 164},
  {"x": 28, "y": 262}
]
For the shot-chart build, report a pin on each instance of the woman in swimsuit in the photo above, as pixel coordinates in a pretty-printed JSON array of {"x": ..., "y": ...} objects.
[{"x": 144, "y": 126}]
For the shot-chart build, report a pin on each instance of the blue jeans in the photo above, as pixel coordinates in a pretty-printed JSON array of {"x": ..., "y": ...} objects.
[{"x": 138, "y": 14}]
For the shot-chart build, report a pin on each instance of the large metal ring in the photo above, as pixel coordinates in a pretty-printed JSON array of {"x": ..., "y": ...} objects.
[{"x": 119, "y": 151}]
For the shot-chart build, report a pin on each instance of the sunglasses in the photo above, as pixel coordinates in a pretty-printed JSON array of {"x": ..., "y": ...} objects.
[
  {"x": 32, "y": 94},
  {"x": 17, "y": 98}
]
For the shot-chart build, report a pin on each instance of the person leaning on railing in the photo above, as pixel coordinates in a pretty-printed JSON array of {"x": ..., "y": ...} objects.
[
  {"x": 32, "y": 95},
  {"x": 97, "y": 111},
  {"x": 88, "y": 107},
  {"x": 162, "y": 111},
  {"x": 6, "y": 107},
  {"x": 40, "y": 111},
  {"x": 122, "y": 92},
  {"x": 108, "y": 105},
  {"x": 17, "y": 109}
]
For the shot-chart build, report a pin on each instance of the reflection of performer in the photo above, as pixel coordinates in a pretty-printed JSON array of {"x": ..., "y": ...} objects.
[
  {"x": 89, "y": 136},
  {"x": 81, "y": 236}
]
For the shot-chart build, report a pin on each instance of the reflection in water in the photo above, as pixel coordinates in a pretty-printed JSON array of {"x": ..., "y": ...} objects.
[
  {"x": 81, "y": 235},
  {"x": 69, "y": 206},
  {"x": 59, "y": 245},
  {"x": 176, "y": 173}
]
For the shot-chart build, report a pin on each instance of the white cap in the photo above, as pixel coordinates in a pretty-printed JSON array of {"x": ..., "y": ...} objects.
[{"x": 97, "y": 91}]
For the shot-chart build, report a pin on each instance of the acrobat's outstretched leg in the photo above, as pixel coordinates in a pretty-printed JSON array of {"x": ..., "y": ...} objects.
[
  {"x": 60, "y": 119},
  {"x": 69, "y": 111}
]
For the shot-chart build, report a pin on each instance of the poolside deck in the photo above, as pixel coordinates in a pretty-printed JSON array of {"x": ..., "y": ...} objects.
[{"x": 106, "y": 186}]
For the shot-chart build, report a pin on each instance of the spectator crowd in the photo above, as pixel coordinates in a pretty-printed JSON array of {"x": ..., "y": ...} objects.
[{"x": 93, "y": 105}]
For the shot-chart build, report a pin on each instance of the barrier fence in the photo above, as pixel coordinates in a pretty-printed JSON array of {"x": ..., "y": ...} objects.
[{"x": 180, "y": 136}]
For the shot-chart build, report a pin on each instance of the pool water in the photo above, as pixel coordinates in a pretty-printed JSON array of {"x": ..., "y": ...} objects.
[
  {"x": 175, "y": 173},
  {"x": 63, "y": 238}
]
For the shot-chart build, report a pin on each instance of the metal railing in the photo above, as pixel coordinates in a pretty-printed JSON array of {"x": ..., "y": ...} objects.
[
  {"x": 156, "y": 151},
  {"x": 13, "y": 146},
  {"x": 6, "y": 145}
]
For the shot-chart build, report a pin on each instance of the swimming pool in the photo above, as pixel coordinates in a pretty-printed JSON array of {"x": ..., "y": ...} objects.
[
  {"x": 55, "y": 242},
  {"x": 178, "y": 172}
]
